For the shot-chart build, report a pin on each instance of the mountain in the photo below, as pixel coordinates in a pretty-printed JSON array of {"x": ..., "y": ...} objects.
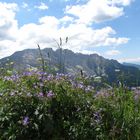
[
  {"x": 94, "y": 65},
  {"x": 131, "y": 64}
]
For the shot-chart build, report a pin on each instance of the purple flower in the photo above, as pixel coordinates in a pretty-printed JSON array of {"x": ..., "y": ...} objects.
[
  {"x": 50, "y": 77},
  {"x": 15, "y": 77},
  {"x": 29, "y": 94},
  {"x": 12, "y": 94},
  {"x": 40, "y": 94},
  {"x": 28, "y": 73},
  {"x": 50, "y": 94},
  {"x": 89, "y": 88},
  {"x": 25, "y": 120},
  {"x": 35, "y": 86},
  {"x": 97, "y": 117},
  {"x": 41, "y": 84},
  {"x": 80, "y": 85},
  {"x": 7, "y": 78}
]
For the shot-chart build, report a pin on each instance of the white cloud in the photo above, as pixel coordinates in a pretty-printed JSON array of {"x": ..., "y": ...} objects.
[
  {"x": 24, "y": 5},
  {"x": 9, "y": 6},
  {"x": 131, "y": 60},
  {"x": 42, "y": 6},
  {"x": 122, "y": 2},
  {"x": 98, "y": 10},
  {"x": 7, "y": 47},
  {"x": 87, "y": 38},
  {"x": 67, "y": 19},
  {"x": 82, "y": 38},
  {"x": 116, "y": 41},
  {"x": 50, "y": 21},
  {"x": 112, "y": 52},
  {"x": 89, "y": 52},
  {"x": 8, "y": 24}
]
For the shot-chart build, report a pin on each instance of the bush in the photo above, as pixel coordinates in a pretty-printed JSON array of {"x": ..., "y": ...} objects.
[{"x": 38, "y": 105}]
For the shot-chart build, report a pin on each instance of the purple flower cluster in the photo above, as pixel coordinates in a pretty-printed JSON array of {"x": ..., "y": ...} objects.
[
  {"x": 38, "y": 82},
  {"x": 12, "y": 94},
  {"x": 89, "y": 88},
  {"x": 11, "y": 78},
  {"x": 80, "y": 85},
  {"x": 40, "y": 94},
  {"x": 25, "y": 120},
  {"x": 50, "y": 94},
  {"x": 50, "y": 77}
]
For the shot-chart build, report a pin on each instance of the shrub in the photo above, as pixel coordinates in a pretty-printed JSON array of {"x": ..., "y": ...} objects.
[{"x": 38, "y": 105}]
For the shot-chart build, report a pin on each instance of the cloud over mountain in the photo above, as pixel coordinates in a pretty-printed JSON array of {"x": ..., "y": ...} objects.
[{"x": 75, "y": 23}]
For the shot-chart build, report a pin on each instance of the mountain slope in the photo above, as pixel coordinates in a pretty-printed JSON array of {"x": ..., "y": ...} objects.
[
  {"x": 70, "y": 62},
  {"x": 131, "y": 64}
]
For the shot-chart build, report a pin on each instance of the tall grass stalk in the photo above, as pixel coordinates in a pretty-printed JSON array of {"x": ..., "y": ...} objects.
[
  {"x": 61, "y": 55},
  {"x": 42, "y": 59},
  {"x": 43, "y": 70}
]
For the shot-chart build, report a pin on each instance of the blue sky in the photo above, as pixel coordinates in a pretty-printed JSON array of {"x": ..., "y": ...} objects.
[{"x": 107, "y": 27}]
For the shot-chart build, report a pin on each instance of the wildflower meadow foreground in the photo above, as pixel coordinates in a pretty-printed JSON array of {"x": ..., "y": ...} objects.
[{"x": 39, "y": 106}]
